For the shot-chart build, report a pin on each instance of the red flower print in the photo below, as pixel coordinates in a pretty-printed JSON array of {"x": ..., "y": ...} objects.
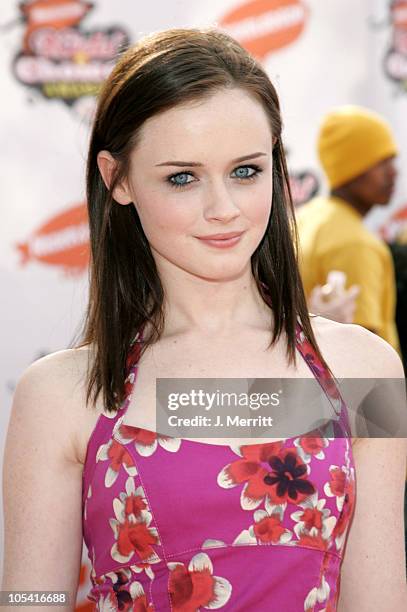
[
  {"x": 312, "y": 518},
  {"x": 108, "y": 603},
  {"x": 195, "y": 586},
  {"x": 132, "y": 527},
  {"x": 139, "y": 598},
  {"x": 310, "y": 446},
  {"x": 134, "y": 504},
  {"x": 314, "y": 524},
  {"x": 118, "y": 457},
  {"x": 285, "y": 481},
  {"x": 313, "y": 541},
  {"x": 268, "y": 529},
  {"x": 336, "y": 485},
  {"x": 123, "y": 596},
  {"x": 135, "y": 537},
  {"x": 145, "y": 441},
  {"x": 250, "y": 471},
  {"x": 346, "y": 514}
]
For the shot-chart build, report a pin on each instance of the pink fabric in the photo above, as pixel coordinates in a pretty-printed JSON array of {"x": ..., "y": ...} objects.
[{"x": 175, "y": 524}]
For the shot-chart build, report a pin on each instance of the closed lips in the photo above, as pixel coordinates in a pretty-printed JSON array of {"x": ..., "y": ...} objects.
[{"x": 221, "y": 236}]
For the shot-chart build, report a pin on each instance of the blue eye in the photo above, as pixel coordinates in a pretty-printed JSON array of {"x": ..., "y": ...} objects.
[
  {"x": 243, "y": 173},
  {"x": 180, "y": 179}
]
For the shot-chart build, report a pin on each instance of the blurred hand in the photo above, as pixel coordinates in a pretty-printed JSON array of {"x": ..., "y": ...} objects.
[{"x": 340, "y": 307}]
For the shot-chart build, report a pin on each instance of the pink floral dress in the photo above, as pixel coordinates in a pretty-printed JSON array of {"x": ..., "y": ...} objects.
[{"x": 181, "y": 525}]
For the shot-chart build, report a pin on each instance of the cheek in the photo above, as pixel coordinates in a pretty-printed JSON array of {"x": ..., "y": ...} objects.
[
  {"x": 257, "y": 204},
  {"x": 160, "y": 213},
  {"x": 377, "y": 180}
]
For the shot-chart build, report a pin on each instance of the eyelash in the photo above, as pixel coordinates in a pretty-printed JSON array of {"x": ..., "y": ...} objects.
[{"x": 257, "y": 169}]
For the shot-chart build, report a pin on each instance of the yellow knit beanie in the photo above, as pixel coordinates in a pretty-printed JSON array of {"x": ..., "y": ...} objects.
[{"x": 351, "y": 140}]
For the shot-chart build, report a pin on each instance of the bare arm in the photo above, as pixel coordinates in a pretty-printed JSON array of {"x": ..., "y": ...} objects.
[
  {"x": 42, "y": 484},
  {"x": 373, "y": 570}
]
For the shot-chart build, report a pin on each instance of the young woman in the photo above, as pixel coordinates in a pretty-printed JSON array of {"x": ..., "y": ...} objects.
[{"x": 194, "y": 274}]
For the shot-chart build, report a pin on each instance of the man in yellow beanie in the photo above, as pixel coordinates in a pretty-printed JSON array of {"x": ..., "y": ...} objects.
[{"x": 357, "y": 151}]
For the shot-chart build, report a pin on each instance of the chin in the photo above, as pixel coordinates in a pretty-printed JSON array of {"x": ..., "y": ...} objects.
[
  {"x": 385, "y": 200},
  {"x": 222, "y": 273}
]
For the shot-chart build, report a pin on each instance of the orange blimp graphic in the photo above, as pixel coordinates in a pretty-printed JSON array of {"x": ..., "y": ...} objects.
[
  {"x": 264, "y": 26},
  {"x": 62, "y": 241},
  {"x": 55, "y": 14},
  {"x": 399, "y": 14}
]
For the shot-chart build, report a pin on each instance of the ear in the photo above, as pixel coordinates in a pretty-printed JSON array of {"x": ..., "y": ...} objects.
[{"x": 107, "y": 166}]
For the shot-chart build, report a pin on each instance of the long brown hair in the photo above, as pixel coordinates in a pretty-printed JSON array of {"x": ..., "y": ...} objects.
[{"x": 159, "y": 72}]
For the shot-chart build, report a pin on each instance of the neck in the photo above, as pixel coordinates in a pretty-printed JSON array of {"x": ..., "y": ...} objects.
[
  {"x": 204, "y": 306},
  {"x": 353, "y": 200}
]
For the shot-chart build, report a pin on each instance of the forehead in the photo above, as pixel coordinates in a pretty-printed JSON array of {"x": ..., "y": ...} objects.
[{"x": 225, "y": 123}]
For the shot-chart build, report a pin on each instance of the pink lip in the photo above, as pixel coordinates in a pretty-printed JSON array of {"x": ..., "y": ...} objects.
[
  {"x": 221, "y": 236},
  {"x": 227, "y": 241}
]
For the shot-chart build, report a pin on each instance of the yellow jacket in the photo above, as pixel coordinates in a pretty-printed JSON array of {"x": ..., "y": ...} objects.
[{"x": 333, "y": 237}]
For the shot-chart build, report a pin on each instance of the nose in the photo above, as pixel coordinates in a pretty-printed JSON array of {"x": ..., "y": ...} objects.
[{"x": 219, "y": 203}]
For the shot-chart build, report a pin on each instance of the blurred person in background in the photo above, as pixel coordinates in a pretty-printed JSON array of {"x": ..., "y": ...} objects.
[
  {"x": 333, "y": 300},
  {"x": 357, "y": 151}
]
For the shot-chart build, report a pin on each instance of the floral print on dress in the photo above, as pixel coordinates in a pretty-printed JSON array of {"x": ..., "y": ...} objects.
[
  {"x": 310, "y": 446},
  {"x": 118, "y": 457},
  {"x": 336, "y": 485},
  {"x": 267, "y": 528},
  {"x": 195, "y": 586},
  {"x": 269, "y": 473},
  {"x": 314, "y": 523},
  {"x": 131, "y": 527},
  {"x": 318, "y": 594},
  {"x": 124, "y": 595},
  {"x": 348, "y": 503},
  {"x": 145, "y": 441},
  {"x": 296, "y": 493}
]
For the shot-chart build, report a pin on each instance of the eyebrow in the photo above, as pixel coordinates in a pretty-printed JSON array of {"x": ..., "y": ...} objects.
[{"x": 188, "y": 163}]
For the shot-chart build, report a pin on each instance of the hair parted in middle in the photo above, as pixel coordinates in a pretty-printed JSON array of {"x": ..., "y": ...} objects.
[{"x": 161, "y": 71}]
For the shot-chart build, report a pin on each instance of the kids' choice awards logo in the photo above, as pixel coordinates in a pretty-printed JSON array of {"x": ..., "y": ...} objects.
[
  {"x": 59, "y": 57},
  {"x": 395, "y": 60},
  {"x": 264, "y": 26},
  {"x": 62, "y": 241}
]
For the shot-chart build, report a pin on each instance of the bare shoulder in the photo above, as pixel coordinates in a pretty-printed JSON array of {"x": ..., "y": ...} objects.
[
  {"x": 353, "y": 351},
  {"x": 41, "y": 457},
  {"x": 50, "y": 399}
]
